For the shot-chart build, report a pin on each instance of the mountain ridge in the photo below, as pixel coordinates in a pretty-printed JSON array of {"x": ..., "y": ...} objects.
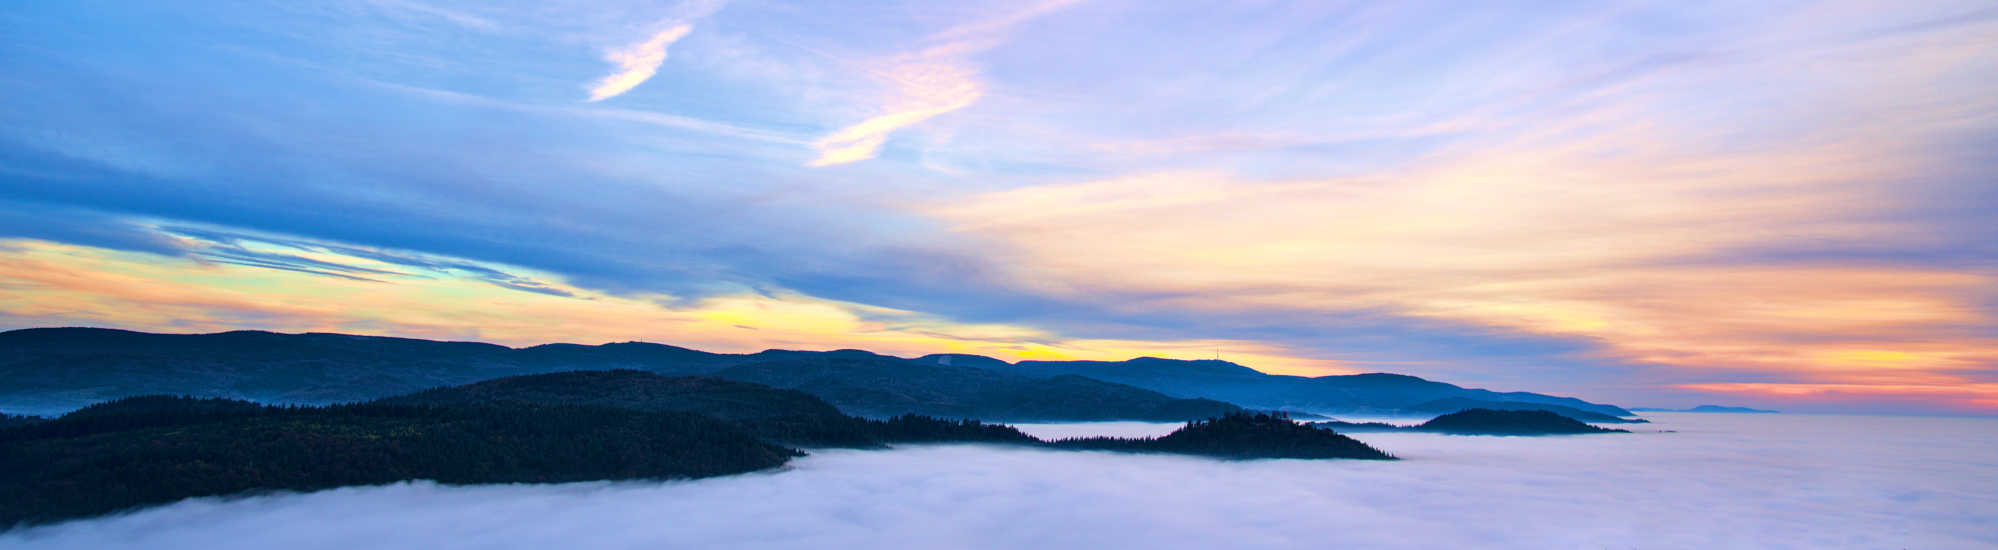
[
  {"x": 1709, "y": 409},
  {"x": 49, "y": 370},
  {"x": 1377, "y": 392}
]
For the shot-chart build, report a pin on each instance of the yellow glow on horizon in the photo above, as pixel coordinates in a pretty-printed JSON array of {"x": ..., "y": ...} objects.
[{"x": 60, "y": 285}]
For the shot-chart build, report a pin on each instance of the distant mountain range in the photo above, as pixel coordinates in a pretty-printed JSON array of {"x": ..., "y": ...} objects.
[
  {"x": 1355, "y": 393},
  {"x": 1709, "y": 409},
  {"x": 51, "y": 370}
]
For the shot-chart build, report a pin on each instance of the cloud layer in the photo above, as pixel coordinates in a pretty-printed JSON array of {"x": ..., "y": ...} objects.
[{"x": 1766, "y": 481}]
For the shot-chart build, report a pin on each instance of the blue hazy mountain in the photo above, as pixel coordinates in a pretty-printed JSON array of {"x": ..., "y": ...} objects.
[
  {"x": 1709, "y": 409},
  {"x": 51, "y": 370},
  {"x": 874, "y": 385},
  {"x": 45, "y": 371},
  {"x": 1225, "y": 381}
]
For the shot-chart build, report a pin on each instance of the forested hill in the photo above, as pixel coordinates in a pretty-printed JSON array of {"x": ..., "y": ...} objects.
[
  {"x": 1483, "y": 422},
  {"x": 781, "y": 416},
  {"x": 1379, "y": 393},
  {"x": 1455, "y": 404},
  {"x": 11, "y": 420},
  {"x": 875, "y": 385},
  {"x": 1239, "y": 435},
  {"x": 557, "y": 427},
  {"x": 151, "y": 450},
  {"x": 1509, "y": 422}
]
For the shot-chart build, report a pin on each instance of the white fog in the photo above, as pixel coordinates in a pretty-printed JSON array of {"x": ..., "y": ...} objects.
[{"x": 1719, "y": 481}]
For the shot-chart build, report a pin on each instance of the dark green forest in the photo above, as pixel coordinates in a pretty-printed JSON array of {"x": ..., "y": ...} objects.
[
  {"x": 164, "y": 449},
  {"x": 1509, "y": 422},
  {"x": 12, "y": 420},
  {"x": 1238, "y": 435},
  {"x": 544, "y": 428},
  {"x": 1483, "y": 422},
  {"x": 781, "y": 416}
]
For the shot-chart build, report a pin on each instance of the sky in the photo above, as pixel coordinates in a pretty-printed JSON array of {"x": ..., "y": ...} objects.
[
  {"x": 1778, "y": 204},
  {"x": 1720, "y": 481}
]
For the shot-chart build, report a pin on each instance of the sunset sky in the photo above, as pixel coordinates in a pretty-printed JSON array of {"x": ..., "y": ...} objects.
[{"x": 1780, "y": 204}]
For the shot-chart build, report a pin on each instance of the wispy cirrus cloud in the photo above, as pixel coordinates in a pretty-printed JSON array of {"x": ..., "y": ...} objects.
[
  {"x": 923, "y": 90},
  {"x": 934, "y": 81},
  {"x": 637, "y": 62}
]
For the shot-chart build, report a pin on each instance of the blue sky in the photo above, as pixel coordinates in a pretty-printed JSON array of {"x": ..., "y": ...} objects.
[{"x": 1773, "y": 203}]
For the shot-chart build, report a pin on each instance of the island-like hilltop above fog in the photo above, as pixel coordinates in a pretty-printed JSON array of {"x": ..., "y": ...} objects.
[
  {"x": 51, "y": 370},
  {"x": 541, "y": 428}
]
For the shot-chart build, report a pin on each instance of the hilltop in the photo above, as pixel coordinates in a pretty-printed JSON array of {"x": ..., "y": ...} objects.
[
  {"x": 1371, "y": 393},
  {"x": 1239, "y": 436},
  {"x": 1483, "y": 422},
  {"x": 777, "y": 415},
  {"x": 543, "y": 428},
  {"x": 53, "y": 370}
]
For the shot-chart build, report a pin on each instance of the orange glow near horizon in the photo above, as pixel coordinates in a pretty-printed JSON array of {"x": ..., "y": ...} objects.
[{"x": 1532, "y": 242}]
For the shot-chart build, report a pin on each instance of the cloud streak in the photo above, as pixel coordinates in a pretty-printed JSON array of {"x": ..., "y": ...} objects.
[
  {"x": 637, "y": 62},
  {"x": 923, "y": 90},
  {"x": 932, "y": 82}
]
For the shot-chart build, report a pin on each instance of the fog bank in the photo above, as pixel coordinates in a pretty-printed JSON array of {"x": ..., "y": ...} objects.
[{"x": 1721, "y": 481}]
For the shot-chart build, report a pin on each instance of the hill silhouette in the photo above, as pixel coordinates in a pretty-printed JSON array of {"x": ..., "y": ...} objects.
[
  {"x": 1373, "y": 393},
  {"x": 1455, "y": 404},
  {"x": 781, "y": 416},
  {"x": 874, "y": 385},
  {"x": 1241, "y": 436},
  {"x": 12, "y": 420},
  {"x": 557, "y": 427},
  {"x": 570, "y": 426},
  {"x": 152, "y": 450},
  {"x": 1483, "y": 422}
]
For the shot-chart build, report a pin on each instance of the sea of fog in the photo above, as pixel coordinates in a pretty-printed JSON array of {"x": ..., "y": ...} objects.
[{"x": 1718, "y": 481}]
